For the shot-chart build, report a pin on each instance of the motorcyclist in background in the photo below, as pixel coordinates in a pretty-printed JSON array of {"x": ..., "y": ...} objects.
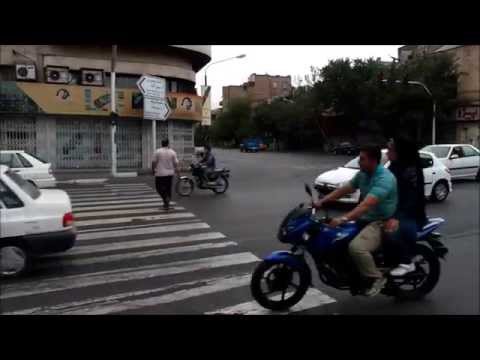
[{"x": 208, "y": 163}]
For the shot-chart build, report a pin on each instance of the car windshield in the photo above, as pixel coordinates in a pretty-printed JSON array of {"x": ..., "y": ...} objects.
[
  {"x": 353, "y": 164},
  {"x": 27, "y": 187},
  {"x": 439, "y": 151}
]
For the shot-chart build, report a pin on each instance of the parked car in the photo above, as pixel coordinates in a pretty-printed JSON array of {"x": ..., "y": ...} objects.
[
  {"x": 33, "y": 222},
  {"x": 252, "y": 145},
  {"x": 463, "y": 160},
  {"x": 437, "y": 178},
  {"x": 29, "y": 167},
  {"x": 345, "y": 148}
]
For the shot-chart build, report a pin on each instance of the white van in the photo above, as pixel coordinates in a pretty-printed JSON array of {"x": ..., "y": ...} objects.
[{"x": 33, "y": 222}]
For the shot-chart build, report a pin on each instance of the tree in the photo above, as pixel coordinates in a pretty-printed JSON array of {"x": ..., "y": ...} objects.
[{"x": 234, "y": 123}]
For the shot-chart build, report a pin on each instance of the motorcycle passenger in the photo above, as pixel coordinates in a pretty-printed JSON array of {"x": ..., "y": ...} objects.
[
  {"x": 378, "y": 202},
  {"x": 208, "y": 163},
  {"x": 401, "y": 229}
]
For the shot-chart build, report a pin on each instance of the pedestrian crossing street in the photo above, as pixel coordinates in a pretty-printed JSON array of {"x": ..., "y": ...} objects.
[{"x": 133, "y": 257}]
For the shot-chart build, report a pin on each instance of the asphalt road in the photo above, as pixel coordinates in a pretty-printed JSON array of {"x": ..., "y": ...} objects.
[{"x": 265, "y": 186}]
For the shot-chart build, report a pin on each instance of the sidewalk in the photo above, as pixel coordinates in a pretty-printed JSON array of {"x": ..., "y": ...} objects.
[{"x": 95, "y": 176}]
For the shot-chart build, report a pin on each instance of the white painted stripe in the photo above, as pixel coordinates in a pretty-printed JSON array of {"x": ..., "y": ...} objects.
[
  {"x": 114, "y": 207},
  {"x": 105, "y": 189},
  {"x": 123, "y": 184},
  {"x": 312, "y": 299},
  {"x": 124, "y": 212},
  {"x": 120, "y": 197},
  {"x": 141, "y": 231},
  {"x": 130, "y": 245},
  {"x": 114, "y": 194},
  {"x": 122, "y": 275},
  {"x": 83, "y": 306},
  {"x": 133, "y": 255},
  {"x": 107, "y": 192},
  {"x": 112, "y": 202},
  {"x": 143, "y": 226},
  {"x": 132, "y": 219}
]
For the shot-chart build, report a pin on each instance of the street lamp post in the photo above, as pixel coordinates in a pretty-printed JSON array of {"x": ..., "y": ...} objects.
[
  {"x": 434, "y": 105},
  {"x": 220, "y": 61}
]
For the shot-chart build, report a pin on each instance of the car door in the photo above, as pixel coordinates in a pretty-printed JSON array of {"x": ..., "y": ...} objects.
[
  {"x": 12, "y": 213},
  {"x": 429, "y": 174},
  {"x": 472, "y": 160},
  {"x": 457, "y": 162}
]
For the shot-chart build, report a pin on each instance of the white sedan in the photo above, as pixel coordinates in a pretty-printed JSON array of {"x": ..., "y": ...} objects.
[
  {"x": 463, "y": 160},
  {"x": 31, "y": 168},
  {"x": 437, "y": 178}
]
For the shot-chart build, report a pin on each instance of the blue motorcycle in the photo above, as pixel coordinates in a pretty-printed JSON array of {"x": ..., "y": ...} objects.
[{"x": 282, "y": 278}]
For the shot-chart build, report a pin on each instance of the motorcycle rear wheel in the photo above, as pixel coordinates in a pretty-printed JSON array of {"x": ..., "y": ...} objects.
[
  {"x": 281, "y": 281},
  {"x": 222, "y": 185},
  {"x": 428, "y": 279}
]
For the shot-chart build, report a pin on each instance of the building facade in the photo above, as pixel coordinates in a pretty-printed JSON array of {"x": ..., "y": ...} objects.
[
  {"x": 259, "y": 89},
  {"x": 464, "y": 126},
  {"x": 55, "y": 102}
]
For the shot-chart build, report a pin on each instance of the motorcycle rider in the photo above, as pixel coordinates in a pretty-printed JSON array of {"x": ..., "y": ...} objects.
[
  {"x": 401, "y": 229},
  {"x": 208, "y": 164},
  {"x": 378, "y": 202}
]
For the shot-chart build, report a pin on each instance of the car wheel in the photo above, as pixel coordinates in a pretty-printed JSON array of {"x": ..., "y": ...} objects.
[
  {"x": 440, "y": 191},
  {"x": 14, "y": 261}
]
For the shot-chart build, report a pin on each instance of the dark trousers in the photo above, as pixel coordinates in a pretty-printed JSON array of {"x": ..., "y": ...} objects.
[
  {"x": 163, "y": 185},
  {"x": 401, "y": 243}
]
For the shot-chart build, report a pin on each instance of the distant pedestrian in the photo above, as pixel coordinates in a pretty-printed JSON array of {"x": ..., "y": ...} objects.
[{"x": 164, "y": 167}]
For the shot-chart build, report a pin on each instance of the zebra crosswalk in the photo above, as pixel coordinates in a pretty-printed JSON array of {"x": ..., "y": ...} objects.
[{"x": 133, "y": 257}]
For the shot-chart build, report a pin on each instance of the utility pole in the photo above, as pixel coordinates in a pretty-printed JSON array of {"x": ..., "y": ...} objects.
[{"x": 113, "y": 128}]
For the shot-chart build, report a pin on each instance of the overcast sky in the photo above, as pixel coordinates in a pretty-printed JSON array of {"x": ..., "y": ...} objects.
[{"x": 279, "y": 60}]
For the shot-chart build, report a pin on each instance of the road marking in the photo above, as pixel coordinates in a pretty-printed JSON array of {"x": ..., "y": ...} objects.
[
  {"x": 129, "y": 227},
  {"x": 101, "y": 196},
  {"x": 106, "y": 191},
  {"x": 141, "y": 231},
  {"x": 459, "y": 235},
  {"x": 111, "y": 202},
  {"x": 132, "y": 219},
  {"x": 124, "y": 212},
  {"x": 109, "y": 199},
  {"x": 114, "y": 207},
  {"x": 110, "y": 303},
  {"x": 68, "y": 282},
  {"x": 312, "y": 299},
  {"x": 130, "y": 245},
  {"x": 124, "y": 184},
  {"x": 135, "y": 255}
]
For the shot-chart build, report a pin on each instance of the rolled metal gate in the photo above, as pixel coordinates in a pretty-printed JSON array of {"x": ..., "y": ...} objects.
[
  {"x": 83, "y": 143},
  {"x": 129, "y": 144},
  {"x": 183, "y": 141},
  {"x": 18, "y": 134}
]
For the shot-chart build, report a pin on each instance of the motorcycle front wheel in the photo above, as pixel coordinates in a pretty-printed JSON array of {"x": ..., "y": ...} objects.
[
  {"x": 221, "y": 186},
  {"x": 417, "y": 284},
  {"x": 278, "y": 286},
  {"x": 184, "y": 187}
]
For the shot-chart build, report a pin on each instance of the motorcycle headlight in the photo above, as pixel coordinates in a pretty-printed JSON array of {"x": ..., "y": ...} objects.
[{"x": 306, "y": 236}]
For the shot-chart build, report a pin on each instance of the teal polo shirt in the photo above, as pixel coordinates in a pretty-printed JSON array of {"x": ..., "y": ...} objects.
[{"x": 382, "y": 185}]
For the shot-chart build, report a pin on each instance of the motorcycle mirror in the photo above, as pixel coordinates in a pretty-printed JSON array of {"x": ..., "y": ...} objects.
[{"x": 308, "y": 190}]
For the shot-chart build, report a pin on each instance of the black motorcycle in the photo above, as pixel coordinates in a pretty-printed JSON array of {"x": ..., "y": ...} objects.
[{"x": 217, "y": 181}]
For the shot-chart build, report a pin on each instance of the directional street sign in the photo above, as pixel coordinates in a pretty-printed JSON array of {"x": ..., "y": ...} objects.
[
  {"x": 152, "y": 86},
  {"x": 154, "y": 109},
  {"x": 155, "y": 105}
]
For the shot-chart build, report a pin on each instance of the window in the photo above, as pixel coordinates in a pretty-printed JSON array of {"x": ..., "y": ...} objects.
[
  {"x": 469, "y": 151},
  {"x": 24, "y": 161},
  {"x": 38, "y": 158},
  {"x": 457, "y": 151},
  {"x": 426, "y": 161},
  {"x": 7, "y": 197},
  {"x": 440, "y": 151},
  {"x": 27, "y": 187},
  {"x": 274, "y": 85},
  {"x": 10, "y": 160},
  {"x": 353, "y": 164}
]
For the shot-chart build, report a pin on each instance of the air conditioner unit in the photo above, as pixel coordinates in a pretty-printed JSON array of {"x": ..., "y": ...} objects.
[
  {"x": 92, "y": 77},
  {"x": 57, "y": 75},
  {"x": 26, "y": 72}
]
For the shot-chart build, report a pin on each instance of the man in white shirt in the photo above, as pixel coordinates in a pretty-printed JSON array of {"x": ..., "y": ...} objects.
[{"x": 164, "y": 167}]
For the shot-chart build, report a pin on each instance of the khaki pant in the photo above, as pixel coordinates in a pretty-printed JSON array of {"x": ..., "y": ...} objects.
[{"x": 362, "y": 246}]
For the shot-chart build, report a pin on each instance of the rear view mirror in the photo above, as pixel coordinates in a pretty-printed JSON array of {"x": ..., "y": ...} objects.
[
  {"x": 308, "y": 190},
  {"x": 454, "y": 156}
]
